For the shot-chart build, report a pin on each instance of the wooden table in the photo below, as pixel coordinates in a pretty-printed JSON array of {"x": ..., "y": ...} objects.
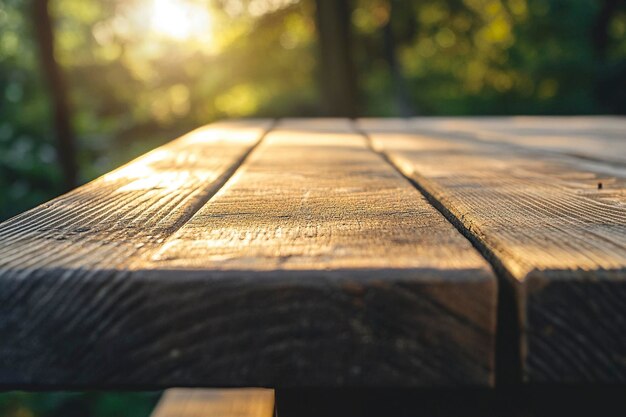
[{"x": 428, "y": 253}]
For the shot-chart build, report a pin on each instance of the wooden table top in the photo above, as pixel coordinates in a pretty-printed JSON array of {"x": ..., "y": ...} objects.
[{"x": 419, "y": 252}]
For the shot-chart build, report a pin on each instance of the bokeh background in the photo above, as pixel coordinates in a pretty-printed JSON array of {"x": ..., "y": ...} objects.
[
  {"x": 77, "y": 404},
  {"x": 128, "y": 75},
  {"x": 86, "y": 85}
]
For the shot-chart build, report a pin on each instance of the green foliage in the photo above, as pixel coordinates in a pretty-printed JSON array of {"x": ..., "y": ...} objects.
[
  {"x": 73, "y": 404},
  {"x": 27, "y": 156},
  {"x": 140, "y": 71},
  {"x": 472, "y": 57},
  {"x": 133, "y": 87}
]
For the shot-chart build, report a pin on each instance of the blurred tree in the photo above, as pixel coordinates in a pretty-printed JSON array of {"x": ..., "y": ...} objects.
[
  {"x": 66, "y": 141},
  {"x": 338, "y": 75},
  {"x": 29, "y": 172},
  {"x": 601, "y": 37},
  {"x": 610, "y": 86},
  {"x": 395, "y": 16}
]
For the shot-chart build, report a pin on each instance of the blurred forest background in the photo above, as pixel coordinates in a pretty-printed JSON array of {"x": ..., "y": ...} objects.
[{"x": 86, "y": 85}]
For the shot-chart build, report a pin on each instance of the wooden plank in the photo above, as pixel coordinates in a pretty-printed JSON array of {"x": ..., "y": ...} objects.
[
  {"x": 317, "y": 264},
  {"x": 63, "y": 264},
  {"x": 558, "y": 239},
  {"x": 190, "y": 402},
  {"x": 132, "y": 208},
  {"x": 591, "y": 137}
]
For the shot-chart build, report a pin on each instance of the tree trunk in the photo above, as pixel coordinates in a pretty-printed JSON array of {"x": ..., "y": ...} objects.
[
  {"x": 600, "y": 30},
  {"x": 66, "y": 141},
  {"x": 337, "y": 74},
  {"x": 401, "y": 97}
]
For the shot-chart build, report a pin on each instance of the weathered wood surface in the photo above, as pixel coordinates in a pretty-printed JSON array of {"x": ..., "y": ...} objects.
[
  {"x": 336, "y": 271},
  {"x": 315, "y": 264},
  {"x": 190, "y": 402},
  {"x": 64, "y": 290},
  {"x": 542, "y": 221},
  {"x": 590, "y": 138},
  {"x": 108, "y": 222}
]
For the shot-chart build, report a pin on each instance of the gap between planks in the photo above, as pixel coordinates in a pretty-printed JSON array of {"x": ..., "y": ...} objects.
[
  {"x": 77, "y": 248},
  {"x": 508, "y": 366},
  {"x": 178, "y": 253},
  {"x": 226, "y": 176},
  {"x": 565, "y": 333},
  {"x": 93, "y": 300}
]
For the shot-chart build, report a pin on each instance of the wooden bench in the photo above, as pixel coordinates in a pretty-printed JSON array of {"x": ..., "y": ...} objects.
[
  {"x": 243, "y": 402},
  {"x": 453, "y": 254}
]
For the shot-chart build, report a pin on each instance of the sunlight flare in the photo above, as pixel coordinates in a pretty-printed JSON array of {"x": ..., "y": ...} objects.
[{"x": 179, "y": 19}]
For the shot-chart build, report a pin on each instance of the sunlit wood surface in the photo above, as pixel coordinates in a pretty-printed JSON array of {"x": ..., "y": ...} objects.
[
  {"x": 550, "y": 215},
  {"x": 341, "y": 265},
  {"x": 599, "y": 138},
  {"x": 190, "y": 402},
  {"x": 327, "y": 252}
]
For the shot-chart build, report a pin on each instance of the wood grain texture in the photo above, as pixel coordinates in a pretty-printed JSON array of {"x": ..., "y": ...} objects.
[
  {"x": 546, "y": 226},
  {"x": 591, "y": 137},
  {"x": 190, "y": 402},
  {"x": 110, "y": 220},
  {"x": 316, "y": 264},
  {"x": 63, "y": 265},
  {"x": 322, "y": 266}
]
